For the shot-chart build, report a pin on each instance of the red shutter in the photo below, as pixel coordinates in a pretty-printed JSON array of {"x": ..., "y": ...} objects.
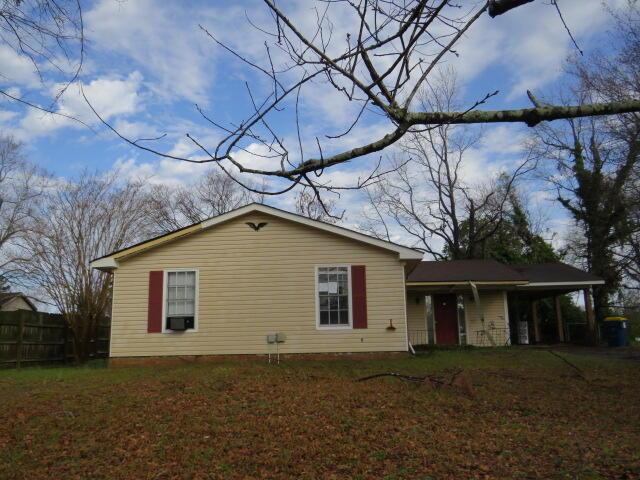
[
  {"x": 154, "y": 319},
  {"x": 359, "y": 295}
]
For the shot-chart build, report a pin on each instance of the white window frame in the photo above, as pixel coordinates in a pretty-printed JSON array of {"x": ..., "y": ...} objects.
[
  {"x": 165, "y": 285},
  {"x": 317, "y": 295}
]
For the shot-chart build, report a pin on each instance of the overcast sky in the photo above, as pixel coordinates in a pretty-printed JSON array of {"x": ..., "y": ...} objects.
[{"x": 148, "y": 63}]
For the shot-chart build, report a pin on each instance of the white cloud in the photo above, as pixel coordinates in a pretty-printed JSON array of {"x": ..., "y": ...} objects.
[
  {"x": 163, "y": 39},
  {"x": 16, "y": 69},
  {"x": 135, "y": 129},
  {"x": 562, "y": 228},
  {"x": 6, "y": 115},
  {"x": 14, "y": 92},
  {"x": 503, "y": 139},
  {"x": 162, "y": 171},
  {"x": 110, "y": 97},
  {"x": 529, "y": 43}
]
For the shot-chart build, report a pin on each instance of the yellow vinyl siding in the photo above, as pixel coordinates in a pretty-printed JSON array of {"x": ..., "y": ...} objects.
[
  {"x": 416, "y": 319},
  {"x": 493, "y": 306},
  {"x": 416, "y": 315},
  {"x": 255, "y": 283}
]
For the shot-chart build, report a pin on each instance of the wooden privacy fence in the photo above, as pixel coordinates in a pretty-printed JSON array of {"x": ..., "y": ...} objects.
[{"x": 39, "y": 338}]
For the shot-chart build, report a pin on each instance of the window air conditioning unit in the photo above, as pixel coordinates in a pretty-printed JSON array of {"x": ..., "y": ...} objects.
[{"x": 180, "y": 323}]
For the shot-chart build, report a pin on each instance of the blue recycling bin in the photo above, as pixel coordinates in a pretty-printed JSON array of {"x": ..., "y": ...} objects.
[{"x": 615, "y": 331}]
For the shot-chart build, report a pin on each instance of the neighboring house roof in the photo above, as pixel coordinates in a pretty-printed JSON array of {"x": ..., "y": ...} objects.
[
  {"x": 556, "y": 273},
  {"x": 464, "y": 271},
  {"x": 110, "y": 261},
  {"x": 6, "y": 298}
]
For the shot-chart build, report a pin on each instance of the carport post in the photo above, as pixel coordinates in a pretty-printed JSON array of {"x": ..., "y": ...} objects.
[
  {"x": 536, "y": 323},
  {"x": 559, "y": 319},
  {"x": 591, "y": 321}
]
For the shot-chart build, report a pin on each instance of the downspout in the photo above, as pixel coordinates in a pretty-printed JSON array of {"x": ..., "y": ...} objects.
[
  {"x": 406, "y": 319},
  {"x": 476, "y": 300}
]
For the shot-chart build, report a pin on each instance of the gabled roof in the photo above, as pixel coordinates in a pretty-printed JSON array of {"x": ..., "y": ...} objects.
[
  {"x": 6, "y": 297},
  {"x": 110, "y": 261},
  {"x": 464, "y": 271}
]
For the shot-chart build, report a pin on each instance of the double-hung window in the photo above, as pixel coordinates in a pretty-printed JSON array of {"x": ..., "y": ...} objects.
[
  {"x": 333, "y": 297},
  {"x": 181, "y": 298}
]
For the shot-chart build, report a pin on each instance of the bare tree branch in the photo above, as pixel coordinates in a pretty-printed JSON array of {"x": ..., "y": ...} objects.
[
  {"x": 50, "y": 34},
  {"x": 380, "y": 63}
]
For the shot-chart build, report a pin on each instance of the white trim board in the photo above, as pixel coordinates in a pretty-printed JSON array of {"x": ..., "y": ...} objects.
[
  {"x": 108, "y": 263},
  {"x": 507, "y": 325},
  {"x": 404, "y": 296},
  {"x": 562, "y": 284}
]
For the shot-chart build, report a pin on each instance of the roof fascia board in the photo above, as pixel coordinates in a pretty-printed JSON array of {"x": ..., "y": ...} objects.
[
  {"x": 108, "y": 263},
  {"x": 156, "y": 242},
  {"x": 416, "y": 284},
  {"x": 563, "y": 284}
]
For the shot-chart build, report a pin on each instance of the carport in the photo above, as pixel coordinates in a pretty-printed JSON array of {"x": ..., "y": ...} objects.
[{"x": 550, "y": 281}]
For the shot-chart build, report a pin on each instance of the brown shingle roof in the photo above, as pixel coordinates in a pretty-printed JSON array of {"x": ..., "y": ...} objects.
[
  {"x": 464, "y": 271},
  {"x": 494, "y": 271},
  {"x": 555, "y": 272}
]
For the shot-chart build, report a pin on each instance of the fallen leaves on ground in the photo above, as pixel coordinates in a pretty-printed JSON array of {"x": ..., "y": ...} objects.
[{"x": 529, "y": 417}]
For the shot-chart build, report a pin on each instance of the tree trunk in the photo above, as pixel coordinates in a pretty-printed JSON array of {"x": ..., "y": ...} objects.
[
  {"x": 80, "y": 331},
  {"x": 600, "y": 302}
]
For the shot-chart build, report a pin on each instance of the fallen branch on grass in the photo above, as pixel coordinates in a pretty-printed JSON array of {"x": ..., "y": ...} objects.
[
  {"x": 458, "y": 380},
  {"x": 571, "y": 364},
  {"x": 409, "y": 378}
]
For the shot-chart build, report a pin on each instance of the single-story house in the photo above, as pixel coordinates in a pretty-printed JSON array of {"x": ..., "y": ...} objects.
[
  {"x": 258, "y": 278},
  {"x": 12, "y": 301}
]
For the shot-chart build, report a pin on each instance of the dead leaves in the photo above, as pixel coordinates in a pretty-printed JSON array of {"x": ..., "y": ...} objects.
[{"x": 312, "y": 420}]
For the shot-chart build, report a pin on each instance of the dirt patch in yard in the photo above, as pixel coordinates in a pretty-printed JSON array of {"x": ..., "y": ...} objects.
[{"x": 531, "y": 416}]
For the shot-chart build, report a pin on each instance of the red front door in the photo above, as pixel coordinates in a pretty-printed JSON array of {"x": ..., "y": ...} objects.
[{"x": 445, "y": 314}]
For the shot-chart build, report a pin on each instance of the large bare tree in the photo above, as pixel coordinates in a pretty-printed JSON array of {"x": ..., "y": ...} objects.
[
  {"x": 78, "y": 221},
  {"x": 171, "y": 207},
  {"x": 20, "y": 187},
  {"x": 427, "y": 197},
  {"x": 379, "y": 59}
]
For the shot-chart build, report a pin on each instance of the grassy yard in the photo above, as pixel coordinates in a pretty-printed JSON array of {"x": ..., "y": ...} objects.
[{"x": 530, "y": 416}]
